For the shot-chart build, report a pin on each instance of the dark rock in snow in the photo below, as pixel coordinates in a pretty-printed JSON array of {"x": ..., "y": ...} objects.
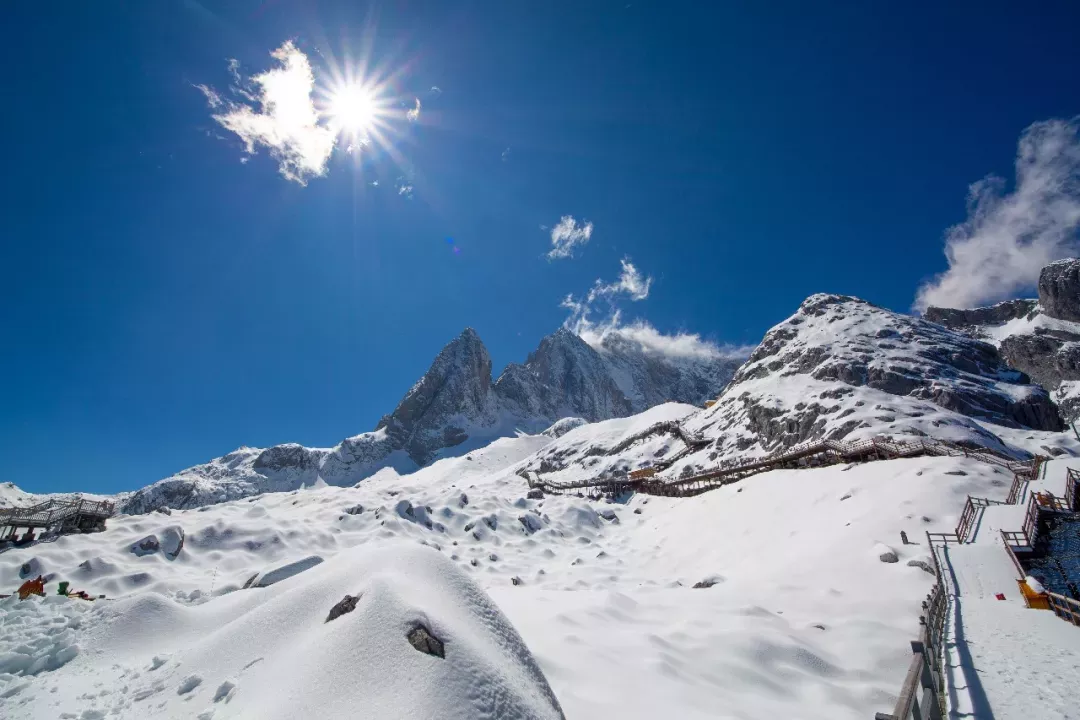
[
  {"x": 147, "y": 546},
  {"x": 422, "y": 639},
  {"x": 346, "y": 605}
]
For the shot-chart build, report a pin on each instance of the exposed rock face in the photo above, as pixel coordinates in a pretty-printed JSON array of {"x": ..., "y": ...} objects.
[
  {"x": 563, "y": 377},
  {"x": 453, "y": 393},
  {"x": 1059, "y": 289},
  {"x": 649, "y": 379},
  {"x": 842, "y": 366},
  {"x": 1039, "y": 338},
  {"x": 966, "y": 320}
]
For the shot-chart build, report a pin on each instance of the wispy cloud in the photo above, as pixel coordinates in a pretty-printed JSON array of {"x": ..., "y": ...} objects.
[
  {"x": 276, "y": 111},
  {"x": 632, "y": 284},
  {"x": 1009, "y": 237},
  {"x": 635, "y": 286},
  {"x": 505, "y": 155},
  {"x": 689, "y": 346},
  {"x": 406, "y": 190},
  {"x": 414, "y": 114},
  {"x": 566, "y": 235}
]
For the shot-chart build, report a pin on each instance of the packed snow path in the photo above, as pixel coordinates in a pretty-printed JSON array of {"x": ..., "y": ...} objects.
[{"x": 1002, "y": 659}]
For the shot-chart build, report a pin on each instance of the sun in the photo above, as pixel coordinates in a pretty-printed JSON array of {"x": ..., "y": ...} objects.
[{"x": 353, "y": 108}]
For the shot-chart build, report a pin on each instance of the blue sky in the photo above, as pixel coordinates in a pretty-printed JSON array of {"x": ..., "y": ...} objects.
[{"x": 168, "y": 297}]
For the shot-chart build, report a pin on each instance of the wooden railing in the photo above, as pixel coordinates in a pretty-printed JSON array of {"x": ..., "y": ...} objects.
[
  {"x": 819, "y": 452},
  {"x": 1014, "y": 541},
  {"x": 1072, "y": 489},
  {"x": 1065, "y": 607},
  {"x": 52, "y": 512},
  {"x": 967, "y": 517},
  {"x": 922, "y": 695}
]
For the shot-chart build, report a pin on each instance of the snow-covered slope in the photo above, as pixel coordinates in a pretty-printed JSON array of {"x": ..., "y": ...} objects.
[
  {"x": 454, "y": 409},
  {"x": 843, "y": 368},
  {"x": 795, "y": 624},
  {"x": 1039, "y": 337}
]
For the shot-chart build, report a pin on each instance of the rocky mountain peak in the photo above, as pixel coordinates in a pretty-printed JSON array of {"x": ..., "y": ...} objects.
[
  {"x": 455, "y": 406},
  {"x": 453, "y": 393}
]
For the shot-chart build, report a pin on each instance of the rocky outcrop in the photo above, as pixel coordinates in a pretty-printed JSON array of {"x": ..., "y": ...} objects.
[
  {"x": 968, "y": 320},
  {"x": 1040, "y": 338},
  {"x": 1059, "y": 289},
  {"x": 841, "y": 366}
]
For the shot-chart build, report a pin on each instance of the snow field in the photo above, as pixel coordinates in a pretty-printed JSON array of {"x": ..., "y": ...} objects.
[{"x": 804, "y": 620}]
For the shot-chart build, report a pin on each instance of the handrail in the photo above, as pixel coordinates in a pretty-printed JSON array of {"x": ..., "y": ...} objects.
[
  {"x": 1072, "y": 484},
  {"x": 830, "y": 451},
  {"x": 52, "y": 511},
  {"x": 1008, "y": 538},
  {"x": 1065, "y": 608}
]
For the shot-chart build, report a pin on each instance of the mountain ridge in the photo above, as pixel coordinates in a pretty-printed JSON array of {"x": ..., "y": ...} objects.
[{"x": 455, "y": 407}]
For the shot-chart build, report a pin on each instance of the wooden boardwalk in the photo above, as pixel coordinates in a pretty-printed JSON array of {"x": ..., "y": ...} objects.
[
  {"x": 63, "y": 516},
  {"x": 814, "y": 454}
]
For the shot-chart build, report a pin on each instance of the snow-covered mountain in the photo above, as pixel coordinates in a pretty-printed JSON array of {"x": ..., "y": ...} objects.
[
  {"x": 455, "y": 408},
  {"x": 838, "y": 368},
  {"x": 1040, "y": 337}
]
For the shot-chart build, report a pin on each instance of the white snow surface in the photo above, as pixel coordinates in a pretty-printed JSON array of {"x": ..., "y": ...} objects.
[{"x": 803, "y": 620}]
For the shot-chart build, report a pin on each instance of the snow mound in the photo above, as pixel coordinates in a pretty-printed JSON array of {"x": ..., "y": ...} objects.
[
  {"x": 36, "y": 635},
  {"x": 271, "y": 653}
]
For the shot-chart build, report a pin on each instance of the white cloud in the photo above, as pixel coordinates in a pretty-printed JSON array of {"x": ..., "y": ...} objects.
[
  {"x": 631, "y": 284},
  {"x": 1008, "y": 238},
  {"x": 566, "y": 235},
  {"x": 690, "y": 346},
  {"x": 506, "y": 156},
  {"x": 279, "y": 114},
  {"x": 406, "y": 190},
  {"x": 414, "y": 114},
  {"x": 212, "y": 98},
  {"x": 635, "y": 286}
]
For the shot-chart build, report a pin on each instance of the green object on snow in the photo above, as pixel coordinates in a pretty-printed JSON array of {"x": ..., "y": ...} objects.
[{"x": 62, "y": 590}]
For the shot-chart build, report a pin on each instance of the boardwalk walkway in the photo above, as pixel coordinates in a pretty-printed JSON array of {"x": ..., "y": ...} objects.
[
  {"x": 1002, "y": 659},
  {"x": 63, "y": 516},
  {"x": 813, "y": 454}
]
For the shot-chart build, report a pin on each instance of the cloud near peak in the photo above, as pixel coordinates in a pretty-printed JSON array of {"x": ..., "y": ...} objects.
[
  {"x": 566, "y": 235},
  {"x": 276, "y": 111},
  {"x": 687, "y": 346},
  {"x": 1008, "y": 237}
]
